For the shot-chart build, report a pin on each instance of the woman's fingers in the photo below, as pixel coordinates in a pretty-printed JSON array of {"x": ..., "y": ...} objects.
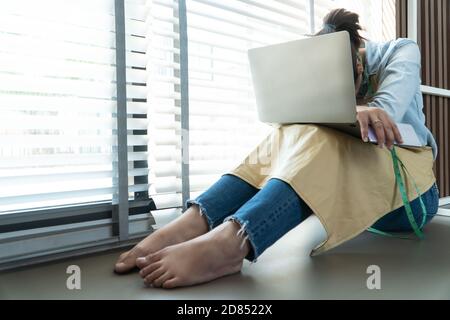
[
  {"x": 388, "y": 130},
  {"x": 378, "y": 125},
  {"x": 397, "y": 135},
  {"x": 363, "y": 118},
  {"x": 385, "y": 129}
]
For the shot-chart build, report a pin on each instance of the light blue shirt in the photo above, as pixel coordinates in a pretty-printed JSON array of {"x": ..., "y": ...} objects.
[{"x": 397, "y": 64}]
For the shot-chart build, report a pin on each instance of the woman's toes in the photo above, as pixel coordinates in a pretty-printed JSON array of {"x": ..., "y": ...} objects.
[
  {"x": 149, "y": 269},
  {"x": 154, "y": 275},
  {"x": 161, "y": 279},
  {"x": 141, "y": 262},
  {"x": 171, "y": 283},
  {"x": 121, "y": 258},
  {"x": 127, "y": 260},
  {"x": 125, "y": 264},
  {"x": 120, "y": 267}
]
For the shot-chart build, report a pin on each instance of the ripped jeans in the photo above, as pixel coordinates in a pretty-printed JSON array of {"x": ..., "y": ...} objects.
[{"x": 266, "y": 215}]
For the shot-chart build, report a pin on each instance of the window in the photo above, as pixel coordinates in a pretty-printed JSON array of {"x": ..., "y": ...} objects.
[
  {"x": 57, "y": 99},
  {"x": 63, "y": 168},
  {"x": 96, "y": 97},
  {"x": 376, "y": 17},
  {"x": 222, "y": 114}
]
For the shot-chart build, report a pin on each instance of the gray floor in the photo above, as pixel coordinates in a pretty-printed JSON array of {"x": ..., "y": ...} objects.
[{"x": 409, "y": 270}]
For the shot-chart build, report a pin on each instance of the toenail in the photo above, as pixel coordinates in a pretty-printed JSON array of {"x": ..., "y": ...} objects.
[{"x": 146, "y": 283}]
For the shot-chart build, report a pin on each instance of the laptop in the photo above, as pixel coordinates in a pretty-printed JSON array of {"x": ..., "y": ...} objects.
[{"x": 311, "y": 81}]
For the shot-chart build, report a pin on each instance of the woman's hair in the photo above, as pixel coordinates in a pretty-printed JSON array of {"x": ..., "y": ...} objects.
[{"x": 344, "y": 20}]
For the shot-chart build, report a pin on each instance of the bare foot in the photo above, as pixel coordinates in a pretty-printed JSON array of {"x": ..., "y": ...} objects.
[
  {"x": 205, "y": 258},
  {"x": 187, "y": 226}
]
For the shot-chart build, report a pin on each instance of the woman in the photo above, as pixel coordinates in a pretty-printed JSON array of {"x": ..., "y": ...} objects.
[{"x": 313, "y": 170}]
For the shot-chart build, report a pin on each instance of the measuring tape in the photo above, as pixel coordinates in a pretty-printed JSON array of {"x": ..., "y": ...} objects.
[{"x": 401, "y": 185}]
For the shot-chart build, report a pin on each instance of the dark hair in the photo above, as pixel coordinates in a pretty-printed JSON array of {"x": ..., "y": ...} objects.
[{"x": 344, "y": 20}]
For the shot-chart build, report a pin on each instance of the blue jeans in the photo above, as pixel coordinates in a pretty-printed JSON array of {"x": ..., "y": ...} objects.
[{"x": 266, "y": 215}]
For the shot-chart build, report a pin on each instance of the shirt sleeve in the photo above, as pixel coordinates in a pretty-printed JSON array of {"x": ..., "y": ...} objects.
[{"x": 398, "y": 82}]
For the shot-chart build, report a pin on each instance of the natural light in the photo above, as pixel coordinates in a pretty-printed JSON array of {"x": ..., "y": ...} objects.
[{"x": 58, "y": 125}]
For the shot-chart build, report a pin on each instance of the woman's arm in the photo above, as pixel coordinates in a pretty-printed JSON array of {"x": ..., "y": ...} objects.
[{"x": 398, "y": 83}]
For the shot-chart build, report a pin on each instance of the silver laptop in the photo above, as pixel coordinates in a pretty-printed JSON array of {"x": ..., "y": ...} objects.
[{"x": 309, "y": 81}]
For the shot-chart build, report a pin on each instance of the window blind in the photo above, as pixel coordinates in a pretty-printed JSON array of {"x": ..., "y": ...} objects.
[
  {"x": 223, "y": 121},
  {"x": 58, "y": 102},
  {"x": 164, "y": 108},
  {"x": 377, "y": 17}
]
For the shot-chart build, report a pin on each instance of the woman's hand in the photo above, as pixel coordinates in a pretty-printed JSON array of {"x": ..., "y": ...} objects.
[{"x": 385, "y": 129}]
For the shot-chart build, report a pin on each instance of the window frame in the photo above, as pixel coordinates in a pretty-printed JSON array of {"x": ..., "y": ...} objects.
[{"x": 124, "y": 221}]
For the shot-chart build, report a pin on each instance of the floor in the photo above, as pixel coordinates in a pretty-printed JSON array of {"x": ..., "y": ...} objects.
[{"x": 409, "y": 270}]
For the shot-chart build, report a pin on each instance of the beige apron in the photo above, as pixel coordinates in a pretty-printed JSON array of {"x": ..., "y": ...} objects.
[{"x": 347, "y": 183}]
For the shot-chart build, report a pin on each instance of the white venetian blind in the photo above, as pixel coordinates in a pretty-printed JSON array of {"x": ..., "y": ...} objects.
[
  {"x": 58, "y": 101},
  {"x": 376, "y": 17},
  {"x": 223, "y": 120},
  {"x": 163, "y": 101}
]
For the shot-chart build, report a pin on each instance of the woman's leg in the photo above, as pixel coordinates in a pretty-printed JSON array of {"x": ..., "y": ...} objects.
[
  {"x": 204, "y": 213},
  {"x": 223, "y": 199},
  {"x": 269, "y": 215},
  {"x": 397, "y": 220},
  {"x": 255, "y": 226}
]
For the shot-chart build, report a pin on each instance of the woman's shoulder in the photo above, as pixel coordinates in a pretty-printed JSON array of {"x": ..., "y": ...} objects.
[
  {"x": 379, "y": 53},
  {"x": 386, "y": 46}
]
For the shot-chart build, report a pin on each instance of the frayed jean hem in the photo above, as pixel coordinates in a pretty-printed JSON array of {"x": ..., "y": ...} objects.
[
  {"x": 203, "y": 212},
  {"x": 252, "y": 256}
]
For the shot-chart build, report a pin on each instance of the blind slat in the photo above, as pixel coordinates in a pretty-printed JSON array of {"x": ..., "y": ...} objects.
[
  {"x": 22, "y": 64},
  {"x": 82, "y": 88},
  {"x": 20, "y": 122},
  {"x": 66, "y": 159},
  {"x": 170, "y": 200},
  {"x": 61, "y": 195},
  {"x": 43, "y": 47},
  {"x": 232, "y": 6},
  {"x": 16, "y": 102},
  {"x": 11, "y": 181}
]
